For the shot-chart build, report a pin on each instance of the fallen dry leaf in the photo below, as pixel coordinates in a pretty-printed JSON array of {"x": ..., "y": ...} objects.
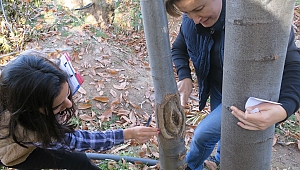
[
  {"x": 93, "y": 72},
  {"x": 93, "y": 114},
  {"x": 142, "y": 154},
  {"x": 84, "y": 127},
  {"x": 145, "y": 167},
  {"x": 112, "y": 164},
  {"x": 288, "y": 143},
  {"x": 134, "y": 105},
  {"x": 98, "y": 106},
  {"x": 126, "y": 93},
  {"x": 106, "y": 115},
  {"x": 152, "y": 97},
  {"x": 105, "y": 62},
  {"x": 81, "y": 90},
  {"x": 154, "y": 140},
  {"x": 121, "y": 86},
  {"x": 39, "y": 26},
  {"x": 155, "y": 154},
  {"x": 122, "y": 112},
  {"x": 297, "y": 116},
  {"x": 103, "y": 99},
  {"x": 147, "y": 94},
  {"x": 275, "y": 138},
  {"x": 120, "y": 148},
  {"x": 126, "y": 119},
  {"x": 83, "y": 106},
  {"x": 132, "y": 117},
  {"x": 115, "y": 101},
  {"x": 113, "y": 93},
  {"x": 147, "y": 68},
  {"x": 113, "y": 71},
  {"x": 86, "y": 117},
  {"x": 101, "y": 93}
]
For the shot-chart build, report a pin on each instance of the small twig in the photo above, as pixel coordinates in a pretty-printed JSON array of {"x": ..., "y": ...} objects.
[
  {"x": 9, "y": 54},
  {"x": 85, "y": 7},
  {"x": 6, "y": 22}
]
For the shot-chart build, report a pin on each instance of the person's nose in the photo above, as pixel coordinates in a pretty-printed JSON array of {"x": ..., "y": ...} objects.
[
  {"x": 67, "y": 104},
  {"x": 196, "y": 18}
]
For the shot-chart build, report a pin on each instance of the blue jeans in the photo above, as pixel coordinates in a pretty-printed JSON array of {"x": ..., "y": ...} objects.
[{"x": 207, "y": 134}]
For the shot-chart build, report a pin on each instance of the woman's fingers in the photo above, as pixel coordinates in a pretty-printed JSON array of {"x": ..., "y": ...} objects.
[
  {"x": 250, "y": 121},
  {"x": 266, "y": 115},
  {"x": 143, "y": 134}
]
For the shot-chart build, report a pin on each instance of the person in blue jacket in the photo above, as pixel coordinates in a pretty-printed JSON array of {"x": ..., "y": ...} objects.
[{"x": 201, "y": 39}]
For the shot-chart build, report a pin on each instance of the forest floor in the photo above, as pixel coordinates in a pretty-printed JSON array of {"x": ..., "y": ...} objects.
[
  {"x": 118, "y": 81},
  {"x": 118, "y": 92}
]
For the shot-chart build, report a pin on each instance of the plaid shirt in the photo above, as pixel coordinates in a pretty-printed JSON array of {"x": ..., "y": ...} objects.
[{"x": 82, "y": 140}]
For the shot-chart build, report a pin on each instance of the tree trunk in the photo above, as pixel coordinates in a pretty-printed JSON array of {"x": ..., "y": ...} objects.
[
  {"x": 256, "y": 39},
  {"x": 170, "y": 116}
]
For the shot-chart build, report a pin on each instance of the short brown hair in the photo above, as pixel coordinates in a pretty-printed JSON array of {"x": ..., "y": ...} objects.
[{"x": 172, "y": 9}]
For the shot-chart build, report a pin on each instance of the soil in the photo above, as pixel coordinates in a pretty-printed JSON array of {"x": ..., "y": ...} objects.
[{"x": 286, "y": 157}]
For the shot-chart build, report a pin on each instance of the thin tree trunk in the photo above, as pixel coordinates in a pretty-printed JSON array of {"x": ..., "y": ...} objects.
[
  {"x": 170, "y": 116},
  {"x": 256, "y": 38}
]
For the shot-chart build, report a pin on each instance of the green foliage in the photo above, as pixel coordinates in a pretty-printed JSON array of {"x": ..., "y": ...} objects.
[
  {"x": 121, "y": 165},
  {"x": 76, "y": 121},
  {"x": 100, "y": 34},
  {"x": 4, "y": 44},
  {"x": 297, "y": 2},
  {"x": 129, "y": 11},
  {"x": 113, "y": 165},
  {"x": 288, "y": 130},
  {"x": 14, "y": 17},
  {"x": 111, "y": 123}
]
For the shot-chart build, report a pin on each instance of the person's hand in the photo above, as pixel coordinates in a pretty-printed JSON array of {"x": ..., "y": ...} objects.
[
  {"x": 211, "y": 165},
  {"x": 185, "y": 87},
  {"x": 140, "y": 133},
  {"x": 268, "y": 115}
]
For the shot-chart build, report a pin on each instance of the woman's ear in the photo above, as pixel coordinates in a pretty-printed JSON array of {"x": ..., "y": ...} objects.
[{"x": 42, "y": 110}]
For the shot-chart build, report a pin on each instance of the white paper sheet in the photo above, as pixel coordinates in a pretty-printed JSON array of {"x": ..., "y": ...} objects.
[{"x": 252, "y": 101}]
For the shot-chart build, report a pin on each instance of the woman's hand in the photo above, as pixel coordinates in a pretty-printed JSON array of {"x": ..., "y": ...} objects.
[
  {"x": 268, "y": 115},
  {"x": 185, "y": 87},
  {"x": 140, "y": 133}
]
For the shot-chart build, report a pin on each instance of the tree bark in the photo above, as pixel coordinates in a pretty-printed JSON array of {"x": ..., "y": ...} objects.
[
  {"x": 256, "y": 38},
  {"x": 170, "y": 116}
]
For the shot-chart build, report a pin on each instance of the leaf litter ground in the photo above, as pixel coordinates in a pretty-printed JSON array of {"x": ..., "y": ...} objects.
[{"x": 117, "y": 92}]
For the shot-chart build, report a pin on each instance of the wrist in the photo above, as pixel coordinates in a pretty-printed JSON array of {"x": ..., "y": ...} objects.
[
  {"x": 283, "y": 114},
  {"x": 127, "y": 134}
]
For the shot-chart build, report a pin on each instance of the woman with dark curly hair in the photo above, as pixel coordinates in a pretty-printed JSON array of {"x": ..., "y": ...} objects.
[{"x": 35, "y": 110}]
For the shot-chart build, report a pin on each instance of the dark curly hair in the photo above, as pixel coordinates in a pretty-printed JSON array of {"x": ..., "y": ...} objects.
[{"x": 27, "y": 84}]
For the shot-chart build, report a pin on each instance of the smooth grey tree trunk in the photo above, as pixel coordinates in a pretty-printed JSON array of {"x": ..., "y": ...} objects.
[
  {"x": 170, "y": 116},
  {"x": 256, "y": 38}
]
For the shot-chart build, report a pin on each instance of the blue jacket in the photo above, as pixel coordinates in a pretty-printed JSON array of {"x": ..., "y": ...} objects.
[
  {"x": 203, "y": 47},
  {"x": 196, "y": 42}
]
